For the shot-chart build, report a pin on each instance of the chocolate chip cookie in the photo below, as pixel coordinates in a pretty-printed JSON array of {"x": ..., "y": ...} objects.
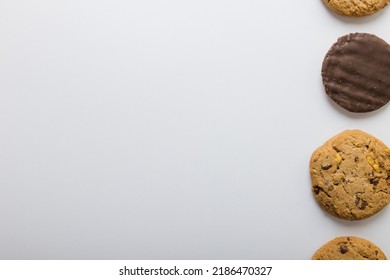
[
  {"x": 349, "y": 248},
  {"x": 356, "y": 72},
  {"x": 350, "y": 175},
  {"x": 356, "y": 8}
]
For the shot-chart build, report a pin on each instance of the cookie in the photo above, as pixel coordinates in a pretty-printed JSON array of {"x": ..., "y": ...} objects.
[
  {"x": 356, "y": 72},
  {"x": 356, "y": 8},
  {"x": 349, "y": 248},
  {"x": 350, "y": 175}
]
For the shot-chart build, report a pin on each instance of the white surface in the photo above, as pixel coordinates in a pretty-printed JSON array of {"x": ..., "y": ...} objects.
[{"x": 170, "y": 129}]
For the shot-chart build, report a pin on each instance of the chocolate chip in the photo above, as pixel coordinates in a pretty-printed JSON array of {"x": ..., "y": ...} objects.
[
  {"x": 317, "y": 189},
  {"x": 343, "y": 249},
  {"x": 360, "y": 203},
  {"x": 326, "y": 167},
  {"x": 374, "y": 181},
  {"x": 357, "y": 200},
  {"x": 356, "y": 159},
  {"x": 363, "y": 205}
]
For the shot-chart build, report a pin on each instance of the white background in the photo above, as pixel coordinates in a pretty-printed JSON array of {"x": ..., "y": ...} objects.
[{"x": 170, "y": 129}]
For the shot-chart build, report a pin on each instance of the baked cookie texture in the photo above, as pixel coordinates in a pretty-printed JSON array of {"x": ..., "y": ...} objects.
[
  {"x": 356, "y": 8},
  {"x": 349, "y": 248},
  {"x": 350, "y": 175},
  {"x": 356, "y": 72}
]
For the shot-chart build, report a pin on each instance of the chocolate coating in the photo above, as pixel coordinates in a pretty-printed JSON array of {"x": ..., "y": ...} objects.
[{"x": 356, "y": 72}]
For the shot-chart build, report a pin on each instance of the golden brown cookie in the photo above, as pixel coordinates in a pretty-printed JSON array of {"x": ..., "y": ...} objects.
[
  {"x": 350, "y": 175},
  {"x": 356, "y": 8},
  {"x": 349, "y": 248}
]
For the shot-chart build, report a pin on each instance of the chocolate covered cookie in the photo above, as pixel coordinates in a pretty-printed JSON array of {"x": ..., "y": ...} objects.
[
  {"x": 350, "y": 175},
  {"x": 356, "y": 8},
  {"x": 356, "y": 72},
  {"x": 349, "y": 248}
]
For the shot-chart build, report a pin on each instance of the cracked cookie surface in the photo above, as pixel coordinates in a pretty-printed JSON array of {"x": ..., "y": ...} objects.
[
  {"x": 356, "y": 8},
  {"x": 350, "y": 175},
  {"x": 349, "y": 248}
]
